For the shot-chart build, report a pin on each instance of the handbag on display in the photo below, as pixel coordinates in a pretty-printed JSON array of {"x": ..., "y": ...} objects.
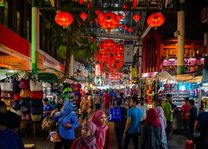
[
  {"x": 25, "y": 108},
  {"x": 6, "y": 86},
  {"x": 36, "y": 95},
  {"x": 6, "y": 94},
  {"x": 24, "y": 84},
  {"x": 24, "y": 102},
  {"x": 36, "y": 102},
  {"x": 16, "y": 97},
  {"x": 16, "y": 105},
  {"x": 36, "y": 117},
  {"x": 36, "y": 85},
  {"x": 25, "y": 93},
  {"x": 37, "y": 110},
  {"x": 15, "y": 85}
]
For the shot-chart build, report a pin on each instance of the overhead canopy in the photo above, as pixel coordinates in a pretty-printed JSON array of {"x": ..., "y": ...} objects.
[{"x": 164, "y": 75}]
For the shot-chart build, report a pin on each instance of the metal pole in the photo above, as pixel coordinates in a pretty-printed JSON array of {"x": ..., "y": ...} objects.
[
  {"x": 34, "y": 35},
  {"x": 181, "y": 37}
]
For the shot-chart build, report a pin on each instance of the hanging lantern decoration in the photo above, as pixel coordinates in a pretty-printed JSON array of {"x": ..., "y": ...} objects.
[
  {"x": 97, "y": 12},
  {"x": 130, "y": 29},
  {"x": 110, "y": 55},
  {"x": 134, "y": 3},
  {"x": 63, "y": 18},
  {"x": 83, "y": 16},
  {"x": 119, "y": 17},
  {"x": 89, "y": 4},
  {"x": 125, "y": 7},
  {"x": 108, "y": 20},
  {"x": 81, "y": 2},
  {"x": 155, "y": 20},
  {"x": 121, "y": 25},
  {"x": 136, "y": 17}
]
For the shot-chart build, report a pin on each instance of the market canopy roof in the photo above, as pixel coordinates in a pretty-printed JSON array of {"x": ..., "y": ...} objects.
[{"x": 164, "y": 75}]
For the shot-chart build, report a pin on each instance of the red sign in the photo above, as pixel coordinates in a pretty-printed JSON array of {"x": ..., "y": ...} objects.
[{"x": 14, "y": 41}]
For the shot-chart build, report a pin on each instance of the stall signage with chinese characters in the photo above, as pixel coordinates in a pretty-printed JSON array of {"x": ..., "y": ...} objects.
[{"x": 190, "y": 61}]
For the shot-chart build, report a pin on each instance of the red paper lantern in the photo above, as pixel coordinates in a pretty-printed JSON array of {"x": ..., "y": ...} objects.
[
  {"x": 83, "y": 16},
  {"x": 125, "y": 7},
  {"x": 121, "y": 25},
  {"x": 136, "y": 17},
  {"x": 134, "y": 3},
  {"x": 81, "y": 2},
  {"x": 130, "y": 29},
  {"x": 63, "y": 18},
  {"x": 155, "y": 20},
  {"x": 108, "y": 20},
  {"x": 119, "y": 17}
]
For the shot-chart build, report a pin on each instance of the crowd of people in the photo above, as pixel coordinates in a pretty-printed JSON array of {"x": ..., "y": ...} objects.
[{"x": 87, "y": 127}]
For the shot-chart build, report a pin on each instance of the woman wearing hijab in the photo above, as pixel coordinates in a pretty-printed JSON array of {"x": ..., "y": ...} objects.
[
  {"x": 152, "y": 131},
  {"x": 87, "y": 140},
  {"x": 67, "y": 123},
  {"x": 161, "y": 115},
  {"x": 102, "y": 133}
]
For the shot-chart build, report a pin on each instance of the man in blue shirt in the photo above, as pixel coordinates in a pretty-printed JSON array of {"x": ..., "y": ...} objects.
[
  {"x": 47, "y": 109},
  {"x": 132, "y": 129},
  {"x": 8, "y": 138}
]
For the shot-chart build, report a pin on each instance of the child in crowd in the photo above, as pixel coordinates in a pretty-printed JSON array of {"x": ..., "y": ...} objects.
[{"x": 87, "y": 140}]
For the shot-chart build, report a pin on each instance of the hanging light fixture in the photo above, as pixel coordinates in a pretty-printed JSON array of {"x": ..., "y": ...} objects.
[
  {"x": 136, "y": 17},
  {"x": 155, "y": 20},
  {"x": 63, "y": 18},
  {"x": 83, "y": 16},
  {"x": 81, "y": 2}
]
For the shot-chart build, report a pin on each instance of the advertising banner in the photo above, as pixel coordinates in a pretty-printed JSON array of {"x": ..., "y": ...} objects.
[{"x": 128, "y": 54}]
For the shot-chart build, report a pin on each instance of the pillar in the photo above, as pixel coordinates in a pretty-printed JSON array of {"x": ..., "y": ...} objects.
[
  {"x": 180, "y": 36},
  {"x": 35, "y": 35},
  {"x": 71, "y": 68}
]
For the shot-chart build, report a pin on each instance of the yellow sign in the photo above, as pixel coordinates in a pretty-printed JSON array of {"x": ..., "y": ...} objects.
[{"x": 134, "y": 72}]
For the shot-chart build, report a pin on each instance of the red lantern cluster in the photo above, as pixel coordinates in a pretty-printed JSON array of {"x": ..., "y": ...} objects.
[
  {"x": 110, "y": 55},
  {"x": 63, "y": 18},
  {"x": 108, "y": 20},
  {"x": 155, "y": 20},
  {"x": 129, "y": 29}
]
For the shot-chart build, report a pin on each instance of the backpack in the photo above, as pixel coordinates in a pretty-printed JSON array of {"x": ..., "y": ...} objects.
[{"x": 115, "y": 114}]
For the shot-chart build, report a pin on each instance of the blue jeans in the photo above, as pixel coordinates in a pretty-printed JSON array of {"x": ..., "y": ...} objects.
[{"x": 168, "y": 128}]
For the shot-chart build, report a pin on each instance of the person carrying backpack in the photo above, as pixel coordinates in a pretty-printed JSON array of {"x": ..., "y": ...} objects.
[{"x": 119, "y": 126}]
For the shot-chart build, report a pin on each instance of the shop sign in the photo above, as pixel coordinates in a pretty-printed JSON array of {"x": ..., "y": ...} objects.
[
  {"x": 115, "y": 76},
  {"x": 49, "y": 61},
  {"x": 148, "y": 74},
  {"x": 128, "y": 53},
  {"x": 134, "y": 72},
  {"x": 97, "y": 70},
  {"x": 190, "y": 61},
  {"x": 169, "y": 62}
]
